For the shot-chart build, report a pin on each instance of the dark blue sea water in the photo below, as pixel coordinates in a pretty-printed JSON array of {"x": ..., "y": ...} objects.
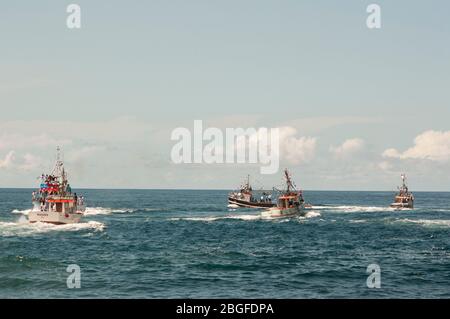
[{"x": 171, "y": 244}]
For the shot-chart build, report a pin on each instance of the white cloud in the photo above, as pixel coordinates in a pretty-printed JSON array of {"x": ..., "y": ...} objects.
[
  {"x": 28, "y": 162},
  {"x": 296, "y": 150},
  {"x": 430, "y": 145},
  {"x": 18, "y": 141},
  {"x": 349, "y": 147},
  {"x": 8, "y": 161},
  {"x": 392, "y": 153}
]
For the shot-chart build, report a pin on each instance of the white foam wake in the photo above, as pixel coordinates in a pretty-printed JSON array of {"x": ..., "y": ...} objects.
[
  {"x": 445, "y": 210},
  {"x": 92, "y": 211},
  {"x": 427, "y": 222},
  {"x": 24, "y": 228},
  {"x": 214, "y": 218},
  {"x": 310, "y": 214},
  {"x": 22, "y": 212},
  {"x": 354, "y": 209}
]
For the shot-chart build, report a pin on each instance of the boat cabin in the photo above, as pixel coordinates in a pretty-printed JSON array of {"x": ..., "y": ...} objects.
[
  {"x": 288, "y": 201},
  {"x": 61, "y": 204}
]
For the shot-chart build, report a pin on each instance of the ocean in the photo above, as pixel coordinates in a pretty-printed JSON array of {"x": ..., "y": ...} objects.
[{"x": 189, "y": 244}]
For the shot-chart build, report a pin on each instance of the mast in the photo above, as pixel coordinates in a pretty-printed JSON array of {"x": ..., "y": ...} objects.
[
  {"x": 404, "y": 186},
  {"x": 58, "y": 170},
  {"x": 289, "y": 185}
]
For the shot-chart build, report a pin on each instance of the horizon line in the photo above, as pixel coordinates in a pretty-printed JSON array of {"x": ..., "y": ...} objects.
[{"x": 230, "y": 189}]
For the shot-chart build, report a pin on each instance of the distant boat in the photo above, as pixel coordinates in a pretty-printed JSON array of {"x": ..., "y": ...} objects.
[
  {"x": 245, "y": 197},
  {"x": 404, "y": 198},
  {"x": 55, "y": 203},
  {"x": 290, "y": 202}
]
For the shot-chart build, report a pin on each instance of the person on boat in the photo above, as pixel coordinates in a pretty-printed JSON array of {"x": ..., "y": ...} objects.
[
  {"x": 42, "y": 204},
  {"x": 75, "y": 198}
]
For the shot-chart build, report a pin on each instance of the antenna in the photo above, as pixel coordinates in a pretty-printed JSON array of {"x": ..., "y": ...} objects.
[
  {"x": 403, "y": 179},
  {"x": 58, "y": 153}
]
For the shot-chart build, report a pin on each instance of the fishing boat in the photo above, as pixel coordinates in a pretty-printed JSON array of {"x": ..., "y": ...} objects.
[
  {"x": 54, "y": 202},
  {"x": 404, "y": 198},
  {"x": 290, "y": 202},
  {"x": 245, "y": 197}
]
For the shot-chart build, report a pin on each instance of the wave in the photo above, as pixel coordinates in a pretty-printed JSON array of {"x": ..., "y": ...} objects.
[
  {"x": 252, "y": 217},
  {"x": 22, "y": 212},
  {"x": 312, "y": 214},
  {"x": 357, "y": 221},
  {"x": 24, "y": 228},
  {"x": 444, "y": 210},
  {"x": 355, "y": 209},
  {"x": 92, "y": 211},
  {"x": 427, "y": 222},
  {"x": 214, "y": 218}
]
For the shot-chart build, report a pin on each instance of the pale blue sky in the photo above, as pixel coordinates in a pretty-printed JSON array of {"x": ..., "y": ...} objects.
[{"x": 146, "y": 67}]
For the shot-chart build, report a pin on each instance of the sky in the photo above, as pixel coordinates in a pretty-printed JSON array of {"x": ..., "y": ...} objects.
[{"x": 356, "y": 106}]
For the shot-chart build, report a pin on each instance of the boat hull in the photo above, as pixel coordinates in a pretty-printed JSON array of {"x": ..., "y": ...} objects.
[
  {"x": 403, "y": 202},
  {"x": 402, "y": 205},
  {"x": 55, "y": 218},
  {"x": 247, "y": 204}
]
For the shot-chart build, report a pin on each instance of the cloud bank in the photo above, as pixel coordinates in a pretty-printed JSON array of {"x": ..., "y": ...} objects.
[
  {"x": 349, "y": 147},
  {"x": 430, "y": 145}
]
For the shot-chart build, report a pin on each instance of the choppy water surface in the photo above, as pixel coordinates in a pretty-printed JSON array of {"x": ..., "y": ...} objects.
[{"x": 168, "y": 244}]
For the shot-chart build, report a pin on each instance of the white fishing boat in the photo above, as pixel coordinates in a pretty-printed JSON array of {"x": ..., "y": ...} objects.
[
  {"x": 55, "y": 203},
  {"x": 404, "y": 198},
  {"x": 247, "y": 198},
  {"x": 290, "y": 202}
]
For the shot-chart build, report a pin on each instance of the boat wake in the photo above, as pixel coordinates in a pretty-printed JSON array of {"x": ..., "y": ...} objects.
[
  {"x": 92, "y": 211},
  {"x": 354, "y": 209},
  {"x": 443, "y": 210},
  {"x": 310, "y": 214},
  {"x": 214, "y": 218},
  {"x": 24, "y": 228},
  {"x": 427, "y": 222},
  {"x": 22, "y": 212}
]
